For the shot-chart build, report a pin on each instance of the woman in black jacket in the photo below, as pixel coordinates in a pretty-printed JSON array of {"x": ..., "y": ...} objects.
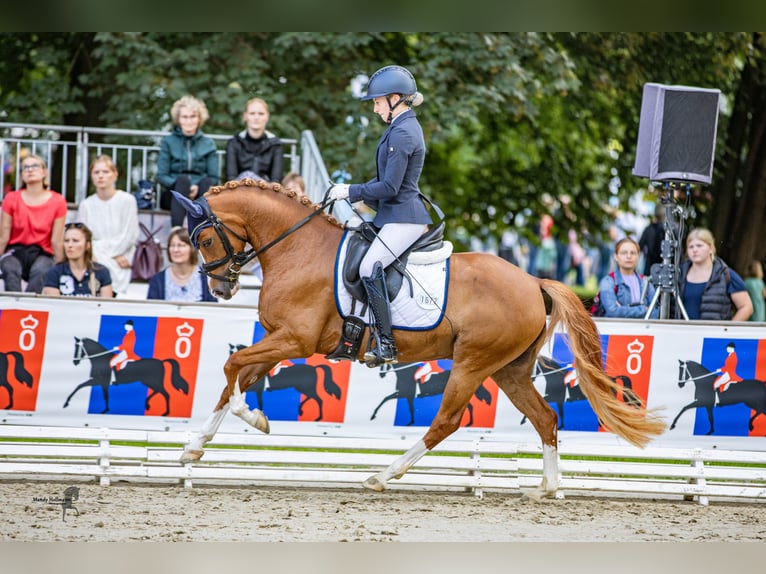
[{"x": 254, "y": 152}]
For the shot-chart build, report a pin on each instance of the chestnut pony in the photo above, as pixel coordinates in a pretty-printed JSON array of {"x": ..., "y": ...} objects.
[{"x": 493, "y": 326}]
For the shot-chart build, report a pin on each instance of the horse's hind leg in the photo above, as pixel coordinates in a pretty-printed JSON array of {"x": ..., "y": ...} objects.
[
  {"x": 516, "y": 383},
  {"x": 446, "y": 421}
]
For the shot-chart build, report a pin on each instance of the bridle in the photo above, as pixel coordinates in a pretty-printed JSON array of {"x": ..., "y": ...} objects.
[
  {"x": 237, "y": 260},
  {"x": 688, "y": 375},
  {"x": 81, "y": 353}
]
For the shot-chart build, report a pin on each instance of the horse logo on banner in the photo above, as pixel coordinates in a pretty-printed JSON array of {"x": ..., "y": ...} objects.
[
  {"x": 426, "y": 383},
  {"x": 22, "y": 347},
  {"x": 140, "y": 366},
  {"x": 735, "y": 407},
  {"x": 628, "y": 364},
  {"x": 307, "y": 388}
]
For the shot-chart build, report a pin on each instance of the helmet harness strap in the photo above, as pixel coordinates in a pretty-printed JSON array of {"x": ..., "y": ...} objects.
[{"x": 391, "y": 108}]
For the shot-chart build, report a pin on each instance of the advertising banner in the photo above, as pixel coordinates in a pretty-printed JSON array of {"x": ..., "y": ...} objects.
[{"x": 159, "y": 366}]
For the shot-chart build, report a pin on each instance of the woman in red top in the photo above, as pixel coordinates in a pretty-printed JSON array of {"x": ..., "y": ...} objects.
[{"x": 31, "y": 228}]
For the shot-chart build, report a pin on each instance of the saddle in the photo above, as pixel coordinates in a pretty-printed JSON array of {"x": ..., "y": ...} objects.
[{"x": 359, "y": 241}]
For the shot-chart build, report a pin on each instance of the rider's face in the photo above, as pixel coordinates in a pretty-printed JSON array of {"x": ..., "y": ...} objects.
[
  {"x": 698, "y": 251},
  {"x": 380, "y": 106}
]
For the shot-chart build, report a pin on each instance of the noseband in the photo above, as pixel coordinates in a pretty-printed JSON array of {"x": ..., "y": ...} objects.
[{"x": 235, "y": 260}]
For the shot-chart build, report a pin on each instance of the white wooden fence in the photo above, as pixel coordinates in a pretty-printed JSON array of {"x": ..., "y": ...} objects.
[{"x": 152, "y": 457}]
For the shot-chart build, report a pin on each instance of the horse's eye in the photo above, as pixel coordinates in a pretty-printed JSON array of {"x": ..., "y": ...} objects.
[{"x": 207, "y": 243}]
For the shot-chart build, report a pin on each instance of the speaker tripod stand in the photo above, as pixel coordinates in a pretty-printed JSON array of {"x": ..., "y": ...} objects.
[{"x": 664, "y": 275}]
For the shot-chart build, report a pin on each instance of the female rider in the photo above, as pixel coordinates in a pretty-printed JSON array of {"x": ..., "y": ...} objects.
[{"x": 401, "y": 214}]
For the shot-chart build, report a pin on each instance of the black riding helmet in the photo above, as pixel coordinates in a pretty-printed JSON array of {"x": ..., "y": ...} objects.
[{"x": 391, "y": 80}]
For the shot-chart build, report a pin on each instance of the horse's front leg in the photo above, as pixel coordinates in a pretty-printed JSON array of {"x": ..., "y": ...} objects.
[
  {"x": 195, "y": 449},
  {"x": 249, "y": 375}
]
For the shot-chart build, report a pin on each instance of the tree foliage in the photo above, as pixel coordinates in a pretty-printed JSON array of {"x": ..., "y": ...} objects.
[{"x": 517, "y": 124}]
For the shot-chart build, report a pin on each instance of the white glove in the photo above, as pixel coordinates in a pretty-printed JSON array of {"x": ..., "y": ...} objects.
[{"x": 339, "y": 191}]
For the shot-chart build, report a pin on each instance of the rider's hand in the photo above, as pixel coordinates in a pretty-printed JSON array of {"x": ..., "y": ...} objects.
[{"x": 339, "y": 191}]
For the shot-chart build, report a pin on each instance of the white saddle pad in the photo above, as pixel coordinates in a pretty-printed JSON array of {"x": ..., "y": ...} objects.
[{"x": 428, "y": 273}]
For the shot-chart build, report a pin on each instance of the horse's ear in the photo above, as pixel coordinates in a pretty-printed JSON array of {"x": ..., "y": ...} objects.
[{"x": 192, "y": 208}]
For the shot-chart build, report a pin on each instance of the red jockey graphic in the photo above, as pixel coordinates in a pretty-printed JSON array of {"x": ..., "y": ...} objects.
[
  {"x": 126, "y": 348},
  {"x": 570, "y": 379},
  {"x": 728, "y": 371},
  {"x": 428, "y": 370}
]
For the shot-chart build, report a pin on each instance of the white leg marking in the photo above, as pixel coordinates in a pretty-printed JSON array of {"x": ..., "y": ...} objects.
[
  {"x": 398, "y": 468},
  {"x": 255, "y": 418},
  {"x": 194, "y": 450},
  {"x": 550, "y": 485}
]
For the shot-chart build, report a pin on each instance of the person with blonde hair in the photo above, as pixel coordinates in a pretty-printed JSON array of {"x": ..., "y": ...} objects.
[
  {"x": 708, "y": 287},
  {"x": 112, "y": 216},
  {"x": 401, "y": 212},
  {"x": 294, "y": 181},
  {"x": 188, "y": 159},
  {"x": 78, "y": 275},
  {"x": 757, "y": 290},
  {"x": 255, "y": 152},
  {"x": 31, "y": 228}
]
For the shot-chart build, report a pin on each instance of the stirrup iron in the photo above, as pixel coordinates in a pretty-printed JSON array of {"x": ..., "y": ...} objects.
[{"x": 350, "y": 340}]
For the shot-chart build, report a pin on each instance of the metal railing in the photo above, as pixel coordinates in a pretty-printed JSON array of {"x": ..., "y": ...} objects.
[{"x": 68, "y": 151}]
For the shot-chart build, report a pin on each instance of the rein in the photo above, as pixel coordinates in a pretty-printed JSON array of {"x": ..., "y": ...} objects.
[
  {"x": 238, "y": 260},
  {"x": 85, "y": 354},
  {"x": 540, "y": 370},
  {"x": 690, "y": 378}
]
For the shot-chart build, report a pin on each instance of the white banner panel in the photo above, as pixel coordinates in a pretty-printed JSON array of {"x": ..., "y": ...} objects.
[{"x": 55, "y": 357}]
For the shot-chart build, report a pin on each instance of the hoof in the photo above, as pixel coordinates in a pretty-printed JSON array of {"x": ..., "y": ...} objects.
[
  {"x": 262, "y": 424},
  {"x": 373, "y": 483},
  {"x": 191, "y": 456}
]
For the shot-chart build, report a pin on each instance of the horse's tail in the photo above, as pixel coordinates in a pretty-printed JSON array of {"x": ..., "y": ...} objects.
[
  {"x": 20, "y": 371},
  {"x": 178, "y": 382},
  {"x": 330, "y": 386},
  {"x": 636, "y": 426},
  {"x": 483, "y": 394}
]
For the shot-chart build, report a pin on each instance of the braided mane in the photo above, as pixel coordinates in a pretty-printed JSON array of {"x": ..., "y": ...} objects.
[{"x": 277, "y": 188}]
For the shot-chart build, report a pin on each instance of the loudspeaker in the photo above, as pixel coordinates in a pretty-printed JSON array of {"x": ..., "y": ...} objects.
[{"x": 676, "y": 133}]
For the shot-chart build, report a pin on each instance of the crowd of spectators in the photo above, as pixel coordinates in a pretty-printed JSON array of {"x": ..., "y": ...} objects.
[{"x": 92, "y": 256}]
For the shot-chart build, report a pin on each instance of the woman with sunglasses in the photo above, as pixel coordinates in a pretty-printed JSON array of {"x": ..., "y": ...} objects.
[
  {"x": 78, "y": 275},
  {"x": 31, "y": 228}
]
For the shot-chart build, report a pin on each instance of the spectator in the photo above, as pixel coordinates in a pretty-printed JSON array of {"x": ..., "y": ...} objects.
[
  {"x": 187, "y": 162},
  {"x": 112, "y": 216},
  {"x": 625, "y": 293},
  {"x": 254, "y": 152},
  {"x": 78, "y": 275},
  {"x": 650, "y": 242},
  {"x": 546, "y": 255},
  {"x": 757, "y": 290},
  {"x": 707, "y": 286},
  {"x": 294, "y": 181},
  {"x": 181, "y": 280},
  {"x": 31, "y": 228}
]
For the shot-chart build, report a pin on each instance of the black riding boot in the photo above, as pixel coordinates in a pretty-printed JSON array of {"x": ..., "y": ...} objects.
[
  {"x": 377, "y": 298},
  {"x": 350, "y": 340}
]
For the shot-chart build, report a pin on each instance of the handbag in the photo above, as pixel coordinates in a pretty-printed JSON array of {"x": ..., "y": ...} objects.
[
  {"x": 147, "y": 261},
  {"x": 144, "y": 194}
]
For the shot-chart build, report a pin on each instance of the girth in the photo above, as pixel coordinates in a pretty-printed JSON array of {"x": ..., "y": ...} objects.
[{"x": 359, "y": 241}]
